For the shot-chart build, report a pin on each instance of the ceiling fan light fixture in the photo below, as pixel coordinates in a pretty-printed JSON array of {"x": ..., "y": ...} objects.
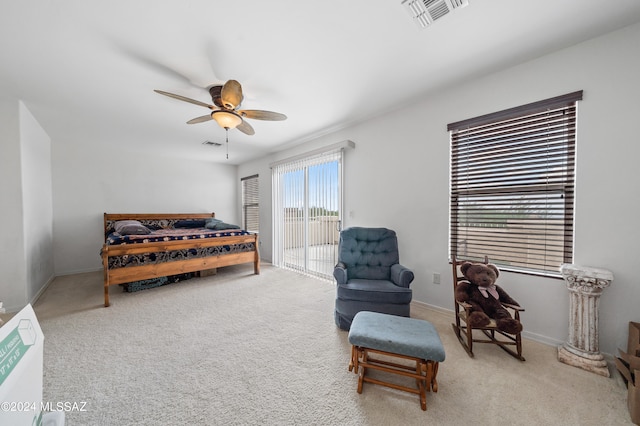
[{"x": 226, "y": 119}]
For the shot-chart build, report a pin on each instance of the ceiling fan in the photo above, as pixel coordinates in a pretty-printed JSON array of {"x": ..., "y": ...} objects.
[{"x": 226, "y": 101}]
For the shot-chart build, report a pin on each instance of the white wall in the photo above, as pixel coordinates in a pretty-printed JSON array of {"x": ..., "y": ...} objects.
[
  {"x": 398, "y": 176},
  {"x": 88, "y": 183},
  {"x": 12, "y": 261},
  {"x": 37, "y": 203},
  {"x": 26, "y": 255}
]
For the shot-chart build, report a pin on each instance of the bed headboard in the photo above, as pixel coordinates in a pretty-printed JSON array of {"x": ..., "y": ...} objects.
[{"x": 162, "y": 220}]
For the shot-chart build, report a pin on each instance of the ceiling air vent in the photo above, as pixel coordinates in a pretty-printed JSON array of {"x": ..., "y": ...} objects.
[{"x": 426, "y": 12}]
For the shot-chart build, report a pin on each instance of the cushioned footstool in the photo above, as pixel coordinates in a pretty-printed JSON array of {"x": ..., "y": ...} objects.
[{"x": 396, "y": 337}]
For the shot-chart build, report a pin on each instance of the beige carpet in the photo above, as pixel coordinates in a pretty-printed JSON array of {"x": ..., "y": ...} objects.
[{"x": 240, "y": 349}]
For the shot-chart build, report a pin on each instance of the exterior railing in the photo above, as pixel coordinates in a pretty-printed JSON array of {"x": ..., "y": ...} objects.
[{"x": 321, "y": 230}]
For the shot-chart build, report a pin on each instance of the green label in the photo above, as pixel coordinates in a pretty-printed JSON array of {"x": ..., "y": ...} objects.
[{"x": 12, "y": 349}]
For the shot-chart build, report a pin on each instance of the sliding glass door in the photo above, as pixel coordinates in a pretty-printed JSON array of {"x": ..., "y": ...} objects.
[{"x": 307, "y": 206}]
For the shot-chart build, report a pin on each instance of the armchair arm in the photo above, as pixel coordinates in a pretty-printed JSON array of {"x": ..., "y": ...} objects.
[
  {"x": 401, "y": 276},
  {"x": 340, "y": 273}
]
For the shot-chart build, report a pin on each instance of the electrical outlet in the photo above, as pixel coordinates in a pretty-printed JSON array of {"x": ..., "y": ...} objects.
[{"x": 436, "y": 278}]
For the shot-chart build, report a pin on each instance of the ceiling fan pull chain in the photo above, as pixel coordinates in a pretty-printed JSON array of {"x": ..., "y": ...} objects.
[{"x": 227, "y": 130}]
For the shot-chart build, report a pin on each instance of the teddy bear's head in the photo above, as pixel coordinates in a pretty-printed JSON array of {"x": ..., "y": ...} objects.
[{"x": 480, "y": 274}]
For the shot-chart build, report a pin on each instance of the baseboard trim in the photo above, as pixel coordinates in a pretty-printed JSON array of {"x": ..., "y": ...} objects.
[
  {"x": 35, "y": 298},
  {"x": 79, "y": 271}
]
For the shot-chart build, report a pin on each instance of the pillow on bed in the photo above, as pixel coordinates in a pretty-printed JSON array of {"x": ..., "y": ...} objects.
[
  {"x": 130, "y": 227},
  {"x": 211, "y": 223},
  {"x": 190, "y": 223},
  {"x": 222, "y": 225}
]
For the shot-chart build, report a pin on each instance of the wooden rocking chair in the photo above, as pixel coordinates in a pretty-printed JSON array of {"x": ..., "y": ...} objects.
[{"x": 492, "y": 334}]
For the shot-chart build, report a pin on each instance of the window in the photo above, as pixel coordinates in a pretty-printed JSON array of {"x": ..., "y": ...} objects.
[
  {"x": 307, "y": 205},
  {"x": 250, "y": 203},
  {"x": 512, "y": 186}
]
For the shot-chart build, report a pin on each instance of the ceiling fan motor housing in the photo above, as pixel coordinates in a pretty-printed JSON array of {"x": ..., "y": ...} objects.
[{"x": 216, "y": 92}]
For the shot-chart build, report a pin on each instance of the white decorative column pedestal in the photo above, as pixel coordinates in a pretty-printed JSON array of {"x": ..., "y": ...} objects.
[{"x": 585, "y": 286}]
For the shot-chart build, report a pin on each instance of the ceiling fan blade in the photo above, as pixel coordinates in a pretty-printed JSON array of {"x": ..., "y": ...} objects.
[
  {"x": 231, "y": 94},
  {"x": 258, "y": 114},
  {"x": 200, "y": 119},
  {"x": 156, "y": 65},
  {"x": 246, "y": 128},
  {"x": 185, "y": 99}
]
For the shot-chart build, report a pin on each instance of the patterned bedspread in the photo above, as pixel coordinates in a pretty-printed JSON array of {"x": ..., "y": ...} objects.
[
  {"x": 172, "y": 235},
  {"x": 127, "y": 260}
]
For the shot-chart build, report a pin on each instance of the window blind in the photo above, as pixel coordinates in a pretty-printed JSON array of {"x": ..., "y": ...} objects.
[
  {"x": 306, "y": 212},
  {"x": 251, "y": 203},
  {"x": 512, "y": 186}
]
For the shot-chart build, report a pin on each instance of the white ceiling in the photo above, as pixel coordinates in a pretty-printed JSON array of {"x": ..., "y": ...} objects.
[{"x": 87, "y": 70}]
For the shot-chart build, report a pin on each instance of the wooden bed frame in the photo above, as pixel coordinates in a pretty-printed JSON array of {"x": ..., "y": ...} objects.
[{"x": 136, "y": 273}]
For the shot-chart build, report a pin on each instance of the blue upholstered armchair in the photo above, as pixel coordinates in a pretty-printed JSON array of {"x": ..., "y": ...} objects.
[{"x": 369, "y": 275}]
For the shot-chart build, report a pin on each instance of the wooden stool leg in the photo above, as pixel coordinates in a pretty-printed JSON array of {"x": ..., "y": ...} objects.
[
  {"x": 352, "y": 361},
  {"x": 422, "y": 384},
  {"x": 423, "y": 397},
  {"x": 358, "y": 353},
  {"x": 431, "y": 377}
]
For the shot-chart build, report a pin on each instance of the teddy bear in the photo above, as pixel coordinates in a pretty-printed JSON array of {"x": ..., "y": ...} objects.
[{"x": 486, "y": 298}]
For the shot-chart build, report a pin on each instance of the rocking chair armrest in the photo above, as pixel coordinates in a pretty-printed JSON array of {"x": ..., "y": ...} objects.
[
  {"x": 514, "y": 307},
  {"x": 466, "y": 306}
]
